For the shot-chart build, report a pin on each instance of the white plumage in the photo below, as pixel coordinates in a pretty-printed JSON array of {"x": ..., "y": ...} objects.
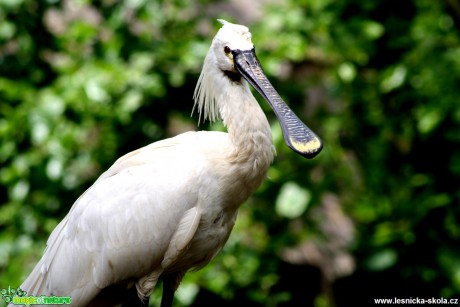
[{"x": 167, "y": 207}]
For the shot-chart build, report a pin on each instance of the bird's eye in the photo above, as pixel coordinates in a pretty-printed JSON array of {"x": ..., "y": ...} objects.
[{"x": 227, "y": 49}]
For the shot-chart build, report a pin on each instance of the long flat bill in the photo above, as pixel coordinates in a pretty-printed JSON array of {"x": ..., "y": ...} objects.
[{"x": 297, "y": 135}]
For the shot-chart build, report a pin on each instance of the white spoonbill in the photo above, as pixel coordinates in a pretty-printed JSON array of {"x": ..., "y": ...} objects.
[{"x": 170, "y": 206}]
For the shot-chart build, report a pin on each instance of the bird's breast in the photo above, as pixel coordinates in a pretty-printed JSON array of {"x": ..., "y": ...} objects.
[{"x": 211, "y": 235}]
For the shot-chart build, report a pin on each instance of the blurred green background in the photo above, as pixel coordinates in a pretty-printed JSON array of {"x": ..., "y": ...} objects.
[{"x": 375, "y": 215}]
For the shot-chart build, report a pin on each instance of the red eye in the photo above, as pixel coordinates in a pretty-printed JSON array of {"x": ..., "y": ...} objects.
[{"x": 227, "y": 49}]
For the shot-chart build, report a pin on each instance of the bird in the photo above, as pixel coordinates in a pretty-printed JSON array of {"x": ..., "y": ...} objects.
[{"x": 169, "y": 207}]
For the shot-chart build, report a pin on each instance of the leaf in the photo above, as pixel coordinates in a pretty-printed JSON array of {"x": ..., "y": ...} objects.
[
  {"x": 382, "y": 260},
  {"x": 292, "y": 200}
]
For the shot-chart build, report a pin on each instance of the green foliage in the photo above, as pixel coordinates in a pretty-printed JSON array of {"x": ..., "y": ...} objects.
[{"x": 82, "y": 83}]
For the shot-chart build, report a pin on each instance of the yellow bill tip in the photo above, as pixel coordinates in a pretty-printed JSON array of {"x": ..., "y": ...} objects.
[{"x": 309, "y": 149}]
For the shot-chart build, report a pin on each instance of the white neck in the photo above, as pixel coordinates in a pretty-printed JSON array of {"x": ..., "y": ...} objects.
[{"x": 217, "y": 96}]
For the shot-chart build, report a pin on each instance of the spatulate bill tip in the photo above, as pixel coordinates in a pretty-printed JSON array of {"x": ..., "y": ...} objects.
[{"x": 308, "y": 149}]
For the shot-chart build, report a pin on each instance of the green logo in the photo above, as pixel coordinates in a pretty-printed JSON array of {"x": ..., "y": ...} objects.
[{"x": 18, "y": 297}]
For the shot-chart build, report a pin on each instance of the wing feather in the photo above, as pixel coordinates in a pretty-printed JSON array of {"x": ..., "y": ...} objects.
[
  {"x": 138, "y": 217},
  {"x": 182, "y": 236}
]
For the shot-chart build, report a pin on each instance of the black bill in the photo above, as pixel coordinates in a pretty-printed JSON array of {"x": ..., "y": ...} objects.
[{"x": 296, "y": 134}]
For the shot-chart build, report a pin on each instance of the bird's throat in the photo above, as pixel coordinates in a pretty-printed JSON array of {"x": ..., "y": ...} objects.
[{"x": 233, "y": 75}]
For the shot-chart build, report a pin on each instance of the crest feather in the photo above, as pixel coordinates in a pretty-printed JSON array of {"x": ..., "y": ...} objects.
[
  {"x": 208, "y": 91},
  {"x": 223, "y": 22},
  {"x": 205, "y": 94}
]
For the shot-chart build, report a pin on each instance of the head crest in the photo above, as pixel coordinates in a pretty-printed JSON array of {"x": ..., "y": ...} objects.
[
  {"x": 208, "y": 89},
  {"x": 223, "y": 22}
]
